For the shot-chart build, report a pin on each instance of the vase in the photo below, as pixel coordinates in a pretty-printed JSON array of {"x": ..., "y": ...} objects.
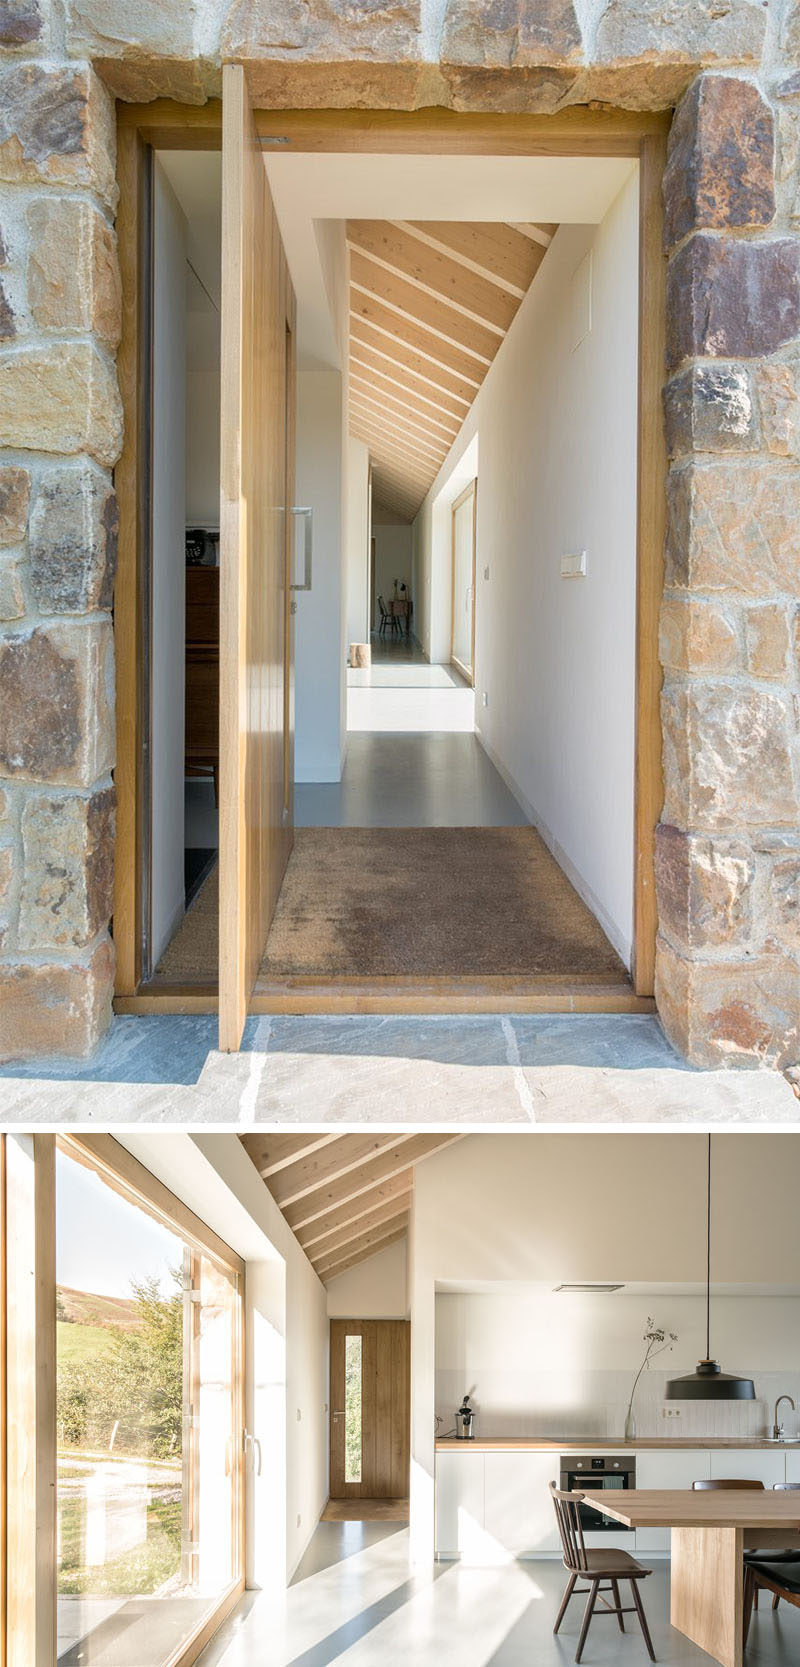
[{"x": 630, "y": 1426}]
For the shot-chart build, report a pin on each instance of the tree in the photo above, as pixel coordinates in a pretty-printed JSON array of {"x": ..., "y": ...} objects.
[{"x": 135, "y": 1384}]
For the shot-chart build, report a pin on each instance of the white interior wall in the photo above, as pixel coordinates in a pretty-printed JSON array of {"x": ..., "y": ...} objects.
[
  {"x": 374, "y": 1290},
  {"x": 557, "y": 424},
  {"x": 319, "y": 663},
  {"x": 524, "y": 1209},
  {"x": 393, "y": 557},
  {"x": 287, "y": 1364},
  {"x": 202, "y": 447},
  {"x": 168, "y": 560},
  {"x": 356, "y": 539}
]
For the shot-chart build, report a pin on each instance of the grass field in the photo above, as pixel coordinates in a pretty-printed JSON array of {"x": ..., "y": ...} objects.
[{"x": 135, "y": 1574}]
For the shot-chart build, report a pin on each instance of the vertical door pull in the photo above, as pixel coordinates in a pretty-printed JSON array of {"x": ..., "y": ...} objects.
[{"x": 308, "y": 539}]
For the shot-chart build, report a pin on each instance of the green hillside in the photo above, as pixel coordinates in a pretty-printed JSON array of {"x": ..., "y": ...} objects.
[{"x": 84, "y": 1333}]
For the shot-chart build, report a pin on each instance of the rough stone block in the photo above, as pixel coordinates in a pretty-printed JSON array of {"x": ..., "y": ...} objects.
[
  {"x": 7, "y": 865},
  {"x": 57, "y": 704},
  {"x": 21, "y": 22},
  {"x": 12, "y": 593},
  {"x": 720, "y": 170},
  {"x": 57, "y": 125},
  {"x": 8, "y": 320},
  {"x": 531, "y": 91},
  {"x": 733, "y": 527},
  {"x": 729, "y": 300},
  {"x": 15, "y": 492},
  {"x": 73, "y": 275},
  {"x": 148, "y": 48},
  {"x": 67, "y": 869},
  {"x": 727, "y": 757},
  {"x": 784, "y": 893},
  {"x": 767, "y": 643},
  {"x": 744, "y": 1012},
  {"x": 73, "y": 540},
  {"x": 697, "y": 636},
  {"x": 689, "y": 32},
  {"x": 511, "y": 34},
  {"x": 56, "y": 1008},
  {"x": 331, "y": 31},
  {"x": 704, "y": 889},
  {"x": 778, "y": 389},
  {"x": 710, "y": 408},
  {"x": 61, "y": 397}
]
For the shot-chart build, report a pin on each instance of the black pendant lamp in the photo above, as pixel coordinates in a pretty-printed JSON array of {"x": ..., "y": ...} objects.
[{"x": 708, "y": 1382}]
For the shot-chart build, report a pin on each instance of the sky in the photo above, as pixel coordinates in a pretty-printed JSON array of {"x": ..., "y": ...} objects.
[{"x": 102, "y": 1241}]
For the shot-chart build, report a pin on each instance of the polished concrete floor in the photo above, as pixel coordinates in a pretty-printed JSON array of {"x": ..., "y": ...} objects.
[{"x": 355, "y": 1600}]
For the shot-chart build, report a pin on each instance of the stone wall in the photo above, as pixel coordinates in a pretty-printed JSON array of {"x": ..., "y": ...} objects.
[{"x": 728, "y": 855}]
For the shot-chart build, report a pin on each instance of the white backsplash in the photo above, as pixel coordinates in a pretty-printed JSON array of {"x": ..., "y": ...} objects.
[{"x": 595, "y": 1404}]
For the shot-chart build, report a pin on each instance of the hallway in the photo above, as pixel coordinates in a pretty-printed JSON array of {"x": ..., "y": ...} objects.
[{"x": 354, "y": 1597}]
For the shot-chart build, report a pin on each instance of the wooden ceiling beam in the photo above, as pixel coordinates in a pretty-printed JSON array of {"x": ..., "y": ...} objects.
[
  {"x": 402, "y": 435},
  {"x": 493, "y": 247},
  {"x": 386, "y": 1193},
  {"x": 420, "y": 308},
  {"x": 404, "y": 422},
  {"x": 434, "y": 273},
  {"x": 408, "y": 361},
  {"x": 271, "y": 1152},
  {"x": 393, "y": 493},
  {"x": 358, "y": 1181},
  {"x": 404, "y": 381},
  {"x": 384, "y": 1217},
  {"x": 543, "y": 235},
  {"x": 393, "y": 468},
  {"x": 360, "y": 1252},
  {"x": 368, "y": 309},
  {"x": 328, "y": 1164},
  {"x": 407, "y": 408}
]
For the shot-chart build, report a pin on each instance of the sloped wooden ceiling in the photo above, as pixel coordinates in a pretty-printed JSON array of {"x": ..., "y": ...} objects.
[
  {"x": 344, "y": 1196},
  {"x": 430, "y": 303}
]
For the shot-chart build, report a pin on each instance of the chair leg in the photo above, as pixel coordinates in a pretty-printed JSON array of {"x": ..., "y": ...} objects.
[
  {"x": 587, "y": 1615},
  {"x": 755, "y": 1598},
  {"x": 750, "y": 1602},
  {"x": 565, "y": 1600},
  {"x": 618, "y": 1604},
  {"x": 637, "y": 1598},
  {"x": 775, "y": 1601}
]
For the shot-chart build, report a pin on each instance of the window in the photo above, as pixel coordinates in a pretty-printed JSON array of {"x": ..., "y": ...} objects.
[
  {"x": 352, "y": 1409},
  {"x": 148, "y": 1425}
]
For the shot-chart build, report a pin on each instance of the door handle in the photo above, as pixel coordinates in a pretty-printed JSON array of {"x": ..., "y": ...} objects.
[
  {"x": 251, "y": 1444},
  {"x": 337, "y": 1415},
  {"x": 308, "y": 540}
]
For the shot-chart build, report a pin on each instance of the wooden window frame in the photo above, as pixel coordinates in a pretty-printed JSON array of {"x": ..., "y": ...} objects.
[
  {"x": 164, "y": 124},
  {"x": 470, "y": 491},
  {"x": 29, "y": 1568}
]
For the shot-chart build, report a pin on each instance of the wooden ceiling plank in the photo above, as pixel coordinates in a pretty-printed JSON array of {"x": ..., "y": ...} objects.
[
  {"x": 396, "y": 376},
  {"x": 476, "y": 251},
  {"x": 319, "y": 1168},
  {"x": 361, "y": 1180},
  {"x": 395, "y": 1212},
  {"x": 271, "y": 1152},
  {"x": 400, "y": 430},
  {"x": 407, "y": 359},
  {"x": 377, "y": 388},
  {"x": 433, "y": 273},
  {"x": 403, "y": 418},
  {"x": 370, "y": 1246},
  {"x": 369, "y": 309},
  {"x": 543, "y": 235},
  {"x": 385, "y": 1194},
  {"x": 415, "y": 304}
]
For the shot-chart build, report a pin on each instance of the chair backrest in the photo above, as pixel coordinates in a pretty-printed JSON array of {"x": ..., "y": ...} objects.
[
  {"x": 786, "y": 1487},
  {"x": 568, "y": 1517},
  {"x": 382, "y": 606},
  {"x": 719, "y": 1482}
]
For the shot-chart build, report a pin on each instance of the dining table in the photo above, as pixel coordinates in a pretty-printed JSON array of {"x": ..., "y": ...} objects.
[{"x": 710, "y": 1530}]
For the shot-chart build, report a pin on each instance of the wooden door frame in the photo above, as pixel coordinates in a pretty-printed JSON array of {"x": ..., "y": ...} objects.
[
  {"x": 470, "y": 491},
  {"x": 577, "y": 132}
]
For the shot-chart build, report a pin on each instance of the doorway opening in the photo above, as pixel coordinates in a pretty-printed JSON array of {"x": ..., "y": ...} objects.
[
  {"x": 370, "y": 1421},
  {"x": 438, "y": 764}
]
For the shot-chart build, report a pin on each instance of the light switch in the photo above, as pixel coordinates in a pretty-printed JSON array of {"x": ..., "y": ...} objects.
[{"x": 573, "y": 566}]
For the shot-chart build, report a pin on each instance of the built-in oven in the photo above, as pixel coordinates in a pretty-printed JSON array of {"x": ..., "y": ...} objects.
[{"x": 598, "y": 1472}]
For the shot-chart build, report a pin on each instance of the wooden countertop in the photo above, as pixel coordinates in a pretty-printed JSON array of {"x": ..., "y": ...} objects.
[
  {"x": 598, "y": 1444},
  {"x": 682, "y": 1508}
]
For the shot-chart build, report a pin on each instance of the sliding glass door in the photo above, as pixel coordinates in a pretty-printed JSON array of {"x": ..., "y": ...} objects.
[{"x": 148, "y": 1419}]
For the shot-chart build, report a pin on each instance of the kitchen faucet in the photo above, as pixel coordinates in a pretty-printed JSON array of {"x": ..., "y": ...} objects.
[{"x": 777, "y": 1429}]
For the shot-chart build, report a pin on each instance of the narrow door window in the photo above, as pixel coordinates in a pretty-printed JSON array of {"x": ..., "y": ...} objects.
[{"x": 353, "y": 1408}]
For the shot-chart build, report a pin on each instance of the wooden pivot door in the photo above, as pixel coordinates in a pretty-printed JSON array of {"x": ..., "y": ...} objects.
[
  {"x": 462, "y": 648},
  {"x": 370, "y": 1409},
  {"x": 257, "y": 490}
]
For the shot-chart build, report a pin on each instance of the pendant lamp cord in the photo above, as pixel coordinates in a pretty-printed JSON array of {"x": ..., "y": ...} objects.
[{"x": 708, "y": 1254}]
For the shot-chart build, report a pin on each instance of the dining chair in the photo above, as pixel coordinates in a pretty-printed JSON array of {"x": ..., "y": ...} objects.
[
  {"x": 384, "y": 613},
  {"x": 595, "y": 1567},
  {"x": 771, "y": 1574},
  {"x": 781, "y": 1556}
]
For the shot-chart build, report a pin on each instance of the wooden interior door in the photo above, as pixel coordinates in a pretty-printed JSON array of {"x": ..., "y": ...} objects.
[
  {"x": 256, "y": 636},
  {"x": 462, "y": 645},
  {"x": 370, "y": 1403}
]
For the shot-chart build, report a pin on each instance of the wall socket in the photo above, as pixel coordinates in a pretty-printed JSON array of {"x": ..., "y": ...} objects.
[{"x": 670, "y": 1412}]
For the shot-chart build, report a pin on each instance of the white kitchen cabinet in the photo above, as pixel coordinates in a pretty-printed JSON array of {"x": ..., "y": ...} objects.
[
  {"x": 459, "y": 1503},
  {"x": 660, "y": 1469},
  {"x": 519, "y": 1514},
  {"x": 761, "y": 1464},
  {"x": 792, "y": 1458}
]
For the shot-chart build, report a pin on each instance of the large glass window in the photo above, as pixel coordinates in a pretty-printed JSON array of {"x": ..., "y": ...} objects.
[{"x": 148, "y": 1433}]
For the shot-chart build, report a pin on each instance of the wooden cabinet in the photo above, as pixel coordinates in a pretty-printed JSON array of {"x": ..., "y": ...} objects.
[{"x": 202, "y": 673}]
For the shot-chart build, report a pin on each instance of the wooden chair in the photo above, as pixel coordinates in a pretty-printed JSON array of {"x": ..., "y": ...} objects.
[
  {"x": 771, "y": 1574},
  {"x": 595, "y": 1567},
  {"x": 385, "y": 617},
  {"x": 780, "y": 1556}
]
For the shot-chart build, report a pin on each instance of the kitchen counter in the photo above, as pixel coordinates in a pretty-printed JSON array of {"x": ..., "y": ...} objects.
[{"x": 602, "y": 1444}]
